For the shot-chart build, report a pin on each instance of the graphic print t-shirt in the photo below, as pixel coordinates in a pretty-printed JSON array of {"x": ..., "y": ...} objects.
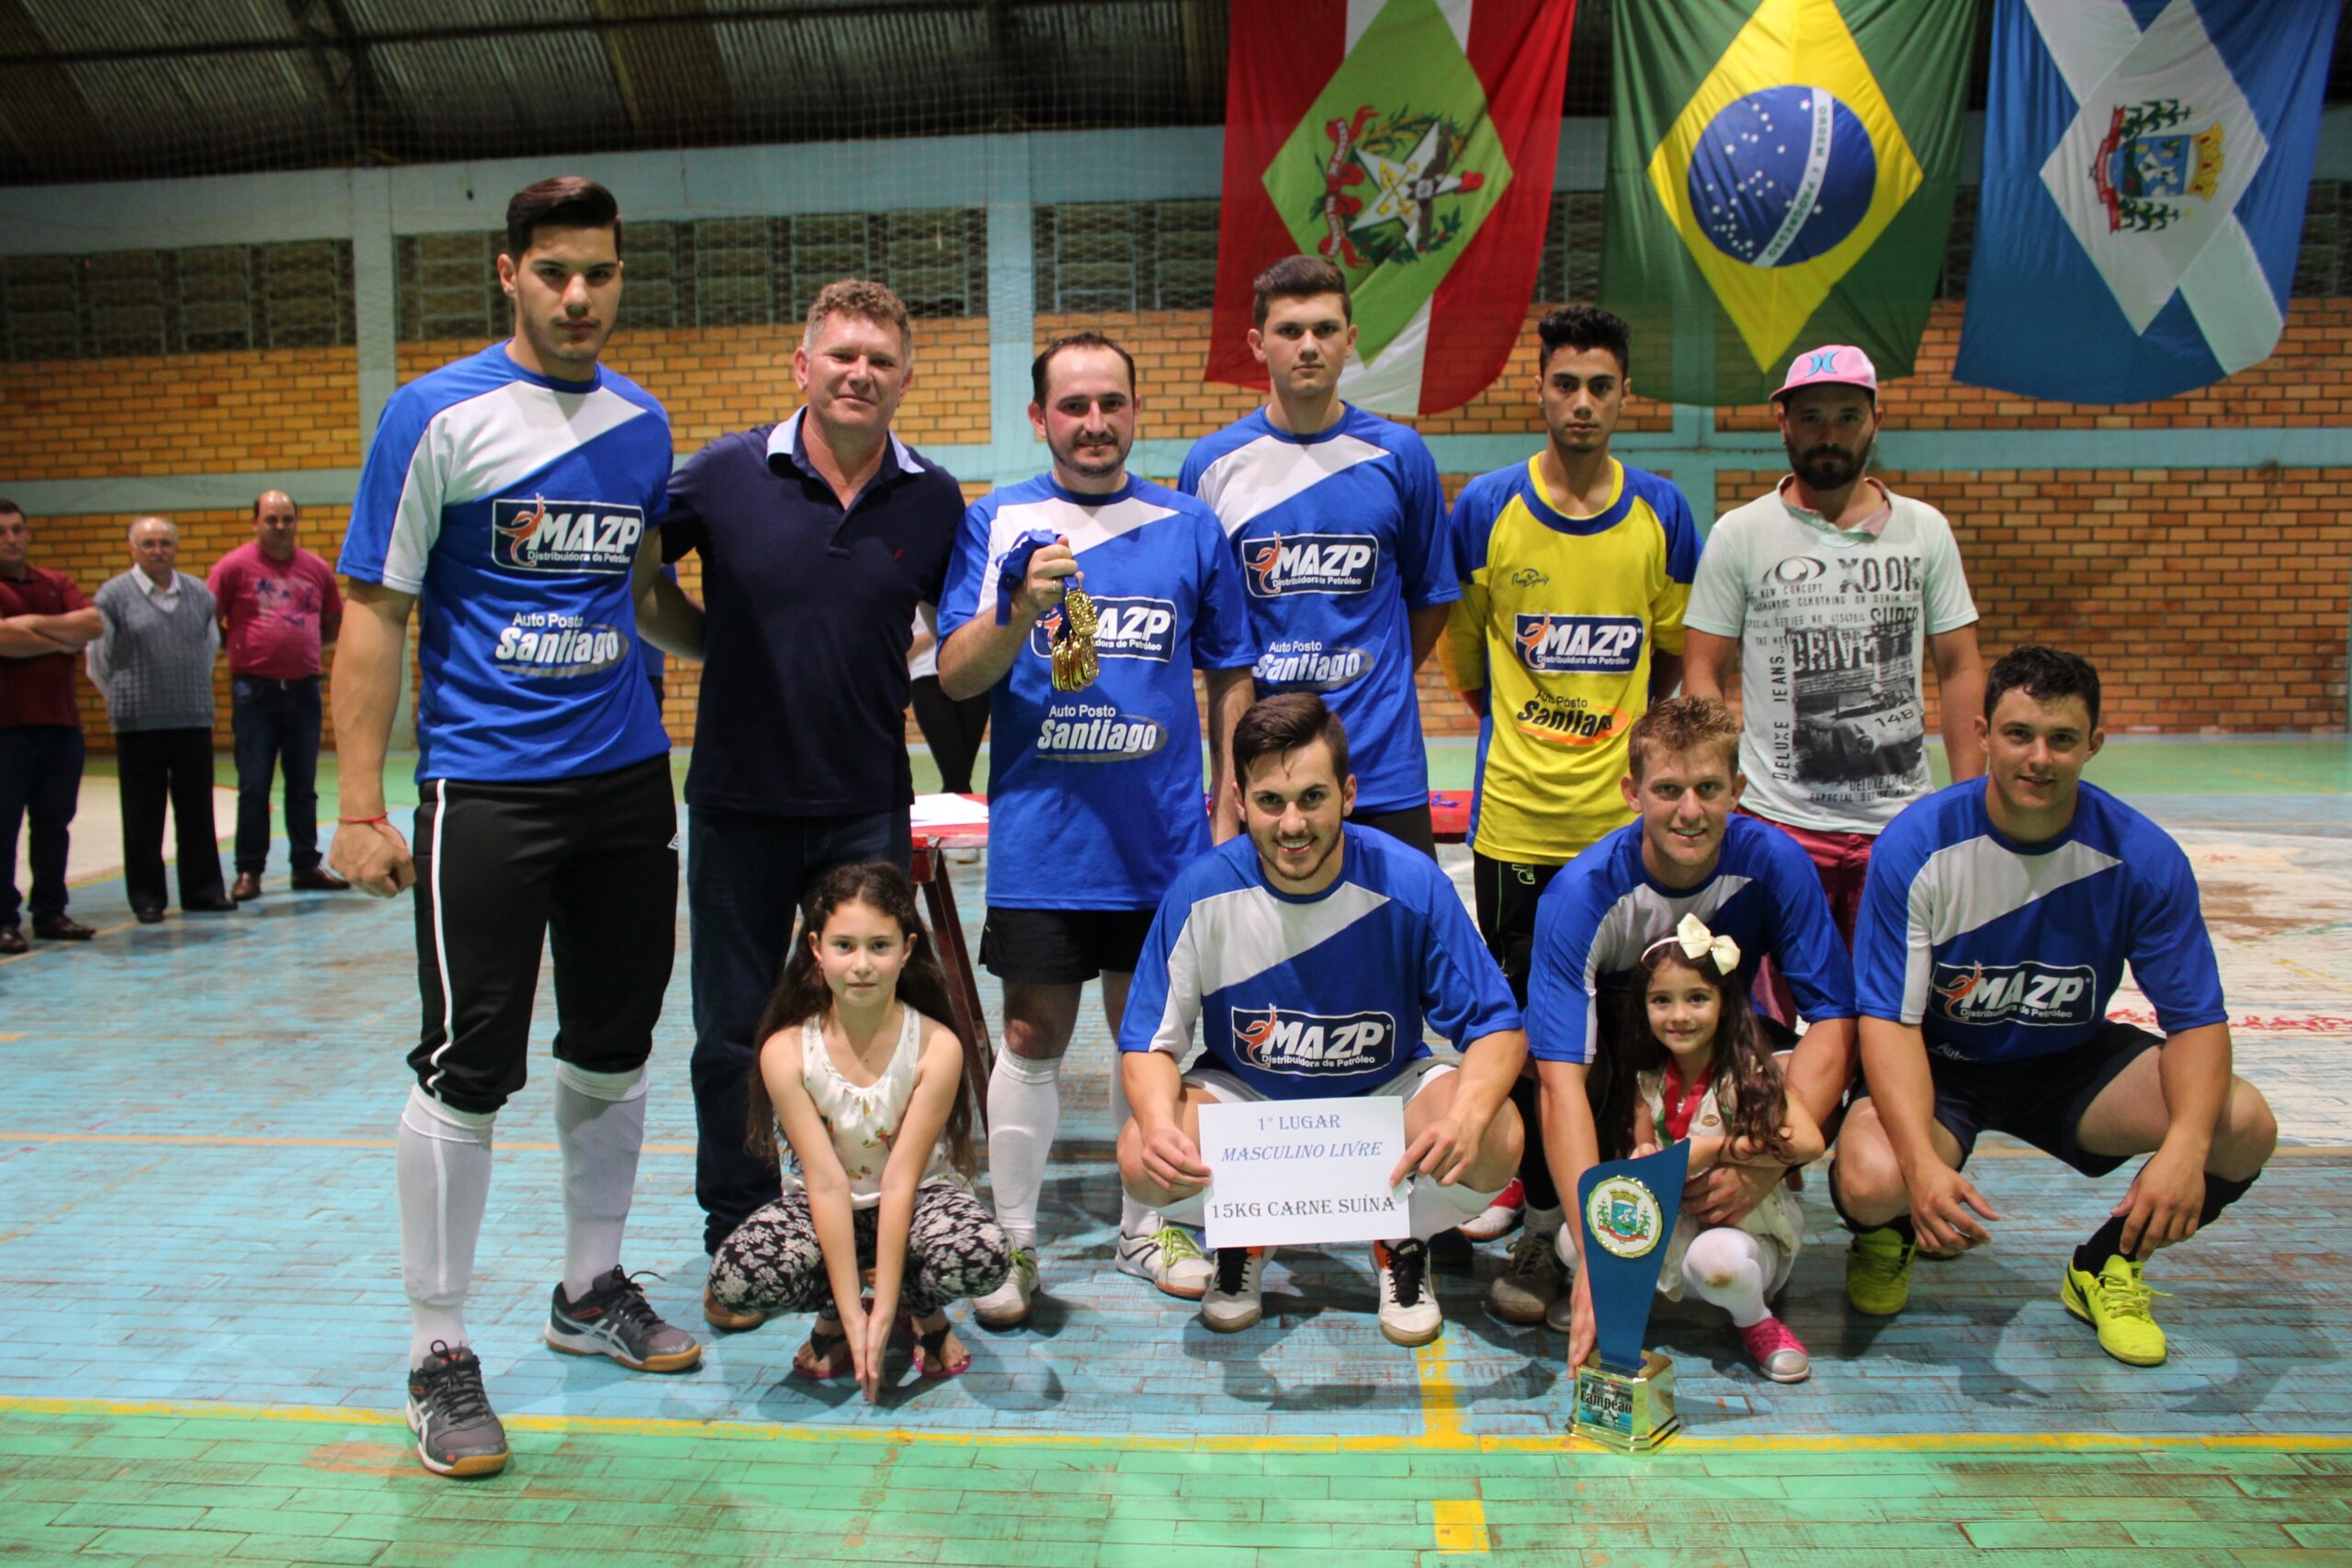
[
  {"x": 1340, "y": 534},
  {"x": 1095, "y": 797},
  {"x": 1558, "y": 621},
  {"x": 1831, "y": 625},
  {"x": 1301, "y": 997},
  {"x": 2000, "y": 950},
  {"x": 511, "y": 506}
]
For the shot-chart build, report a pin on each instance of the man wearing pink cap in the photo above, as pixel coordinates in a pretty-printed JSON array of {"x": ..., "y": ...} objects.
[{"x": 1817, "y": 595}]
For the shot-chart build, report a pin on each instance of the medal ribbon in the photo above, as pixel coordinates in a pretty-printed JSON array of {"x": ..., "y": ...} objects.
[{"x": 1677, "y": 1105}]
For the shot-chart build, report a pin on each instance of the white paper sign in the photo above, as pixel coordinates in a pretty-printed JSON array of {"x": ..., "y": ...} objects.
[{"x": 1299, "y": 1171}]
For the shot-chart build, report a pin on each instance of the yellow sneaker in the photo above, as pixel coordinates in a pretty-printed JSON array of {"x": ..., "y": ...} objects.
[
  {"x": 1878, "y": 1272},
  {"x": 2115, "y": 1301}
]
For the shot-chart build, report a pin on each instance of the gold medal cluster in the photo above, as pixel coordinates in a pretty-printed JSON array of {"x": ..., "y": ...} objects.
[{"x": 1074, "y": 662}]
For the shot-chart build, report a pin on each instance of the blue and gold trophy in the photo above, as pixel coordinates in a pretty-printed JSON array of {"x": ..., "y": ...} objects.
[{"x": 1625, "y": 1392}]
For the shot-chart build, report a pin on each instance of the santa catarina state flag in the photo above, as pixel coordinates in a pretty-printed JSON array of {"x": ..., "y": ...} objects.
[
  {"x": 1781, "y": 173},
  {"x": 2146, "y": 163},
  {"x": 1412, "y": 142}
]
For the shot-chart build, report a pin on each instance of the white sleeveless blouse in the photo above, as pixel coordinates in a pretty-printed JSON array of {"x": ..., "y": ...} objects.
[{"x": 862, "y": 1119}]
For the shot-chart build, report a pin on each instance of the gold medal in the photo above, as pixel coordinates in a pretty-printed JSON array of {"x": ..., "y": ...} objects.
[{"x": 1074, "y": 662}]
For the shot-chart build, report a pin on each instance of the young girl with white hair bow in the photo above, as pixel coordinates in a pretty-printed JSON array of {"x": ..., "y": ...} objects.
[{"x": 1694, "y": 1068}]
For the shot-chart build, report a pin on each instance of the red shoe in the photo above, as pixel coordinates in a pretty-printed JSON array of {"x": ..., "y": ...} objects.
[{"x": 1777, "y": 1354}]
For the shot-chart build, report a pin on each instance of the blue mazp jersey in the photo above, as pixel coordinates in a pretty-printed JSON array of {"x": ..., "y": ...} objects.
[
  {"x": 1340, "y": 534},
  {"x": 1604, "y": 909},
  {"x": 511, "y": 506},
  {"x": 1095, "y": 796},
  {"x": 1303, "y": 997},
  {"x": 2001, "y": 952}
]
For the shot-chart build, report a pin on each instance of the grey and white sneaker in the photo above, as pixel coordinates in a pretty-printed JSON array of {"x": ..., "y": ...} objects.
[
  {"x": 615, "y": 1319},
  {"x": 1531, "y": 1282},
  {"x": 456, "y": 1434},
  {"x": 1170, "y": 1259},
  {"x": 1232, "y": 1301},
  {"x": 1408, "y": 1310},
  {"x": 1008, "y": 1305}
]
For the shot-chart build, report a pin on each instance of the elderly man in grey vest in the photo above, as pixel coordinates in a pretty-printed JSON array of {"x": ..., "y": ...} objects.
[{"x": 153, "y": 661}]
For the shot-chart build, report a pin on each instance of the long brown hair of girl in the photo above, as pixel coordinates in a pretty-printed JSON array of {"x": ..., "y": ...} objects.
[
  {"x": 801, "y": 995},
  {"x": 1748, "y": 1085}
]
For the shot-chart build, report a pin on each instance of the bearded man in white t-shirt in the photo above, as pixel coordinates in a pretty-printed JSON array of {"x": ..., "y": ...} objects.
[{"x": 1820, "y": 595}]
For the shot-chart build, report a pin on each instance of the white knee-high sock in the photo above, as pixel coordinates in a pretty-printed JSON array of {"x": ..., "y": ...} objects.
[
  {"x": 599, "y": 1125},
  {"x": 1727, "y": 1268},
  {"x": 1135, "y": 1219},
  {"x": 1024, "y": 1108},
  {"x": 1434, "y": 1207},
  {"x": 441, "y": 1166}
]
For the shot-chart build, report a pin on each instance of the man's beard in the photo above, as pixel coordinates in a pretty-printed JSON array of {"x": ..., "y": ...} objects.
[{"x": 1829, "y": 468}]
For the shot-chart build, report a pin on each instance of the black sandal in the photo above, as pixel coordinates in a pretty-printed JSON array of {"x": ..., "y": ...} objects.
[
  {"x": 930, "y": 1354},
  {"x": 821, "y": 1349}
]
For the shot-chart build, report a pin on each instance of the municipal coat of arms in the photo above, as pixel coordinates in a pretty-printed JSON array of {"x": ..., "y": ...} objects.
[{"x": 2153, "y": 163}]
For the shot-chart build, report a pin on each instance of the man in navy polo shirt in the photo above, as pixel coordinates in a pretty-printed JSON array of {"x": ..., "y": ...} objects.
[
  {"x": 1095, "y": 795},
  {"x": 819, "y": 537}
]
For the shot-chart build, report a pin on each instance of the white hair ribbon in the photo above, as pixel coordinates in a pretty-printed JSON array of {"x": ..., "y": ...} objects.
[{"x": 1697, "y": 941}]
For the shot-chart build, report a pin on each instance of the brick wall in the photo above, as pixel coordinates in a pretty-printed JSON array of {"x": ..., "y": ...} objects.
[
  {"x": 2211, "y": 601},
  {"x": 269, "y": 408},
  {"x": 2166, "y": 578},
  {"x": 2306, "y": 382},
  {"x": 715, "y": 379}
]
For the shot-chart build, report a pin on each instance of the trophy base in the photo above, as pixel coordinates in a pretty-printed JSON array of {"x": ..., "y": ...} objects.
[{"x": 1633, "y": 1412}]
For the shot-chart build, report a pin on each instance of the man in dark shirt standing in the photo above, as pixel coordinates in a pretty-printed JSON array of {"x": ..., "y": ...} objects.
[
  {"x": 819, "y": 537},
  {"x": 44, "y": 622}
]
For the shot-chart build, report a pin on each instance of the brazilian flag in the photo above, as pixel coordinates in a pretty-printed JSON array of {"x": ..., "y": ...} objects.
[{"x": 1781, "y": 175}]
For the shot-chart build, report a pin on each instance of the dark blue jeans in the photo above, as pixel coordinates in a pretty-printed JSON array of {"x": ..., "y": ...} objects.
[
  {"x": 745, "y": 874},
  {"x": 41, "y": 777},
  {"x": 276, "y": 724}
]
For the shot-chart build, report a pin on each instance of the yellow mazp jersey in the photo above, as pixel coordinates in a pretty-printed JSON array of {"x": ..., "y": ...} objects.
[{"x": 1558, "y": 618}]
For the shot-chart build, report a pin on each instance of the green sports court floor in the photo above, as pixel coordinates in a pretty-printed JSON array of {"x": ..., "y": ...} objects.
[{"x": 198, "y": 1285}]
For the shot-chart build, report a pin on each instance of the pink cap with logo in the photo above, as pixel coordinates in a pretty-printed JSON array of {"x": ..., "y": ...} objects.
[{"x": 1832, "y": 365}]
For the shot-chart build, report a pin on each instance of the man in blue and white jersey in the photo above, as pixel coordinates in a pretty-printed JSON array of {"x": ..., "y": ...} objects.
[
  {"x": 1996, "y": 921},
  {"x": 1308, "y": 957},
  {"x": 1340, "y": 524},
  {"x": 1690, "y": 852},
  {"x": 512, "y": 498},
  {"x": 1095, "y": 795}
]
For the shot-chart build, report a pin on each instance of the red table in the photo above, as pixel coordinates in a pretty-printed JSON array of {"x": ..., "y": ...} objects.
[{"x": 1448, "y": 816}]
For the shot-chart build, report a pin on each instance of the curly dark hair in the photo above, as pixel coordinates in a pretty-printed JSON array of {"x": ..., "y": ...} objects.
[
  {"x": 1748, "y": 1085},
  {"x": 802, "y": 995}
]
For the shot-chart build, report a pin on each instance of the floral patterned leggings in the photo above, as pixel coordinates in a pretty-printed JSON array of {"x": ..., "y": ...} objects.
[{"x": 773, "y": 1263}]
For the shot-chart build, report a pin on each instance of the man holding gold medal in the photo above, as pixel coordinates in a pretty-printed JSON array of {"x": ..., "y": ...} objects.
[{"x": 1086, "y": 598}]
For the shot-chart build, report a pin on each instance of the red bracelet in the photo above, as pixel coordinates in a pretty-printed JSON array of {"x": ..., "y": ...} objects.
[{"x": 363, "y": 821}]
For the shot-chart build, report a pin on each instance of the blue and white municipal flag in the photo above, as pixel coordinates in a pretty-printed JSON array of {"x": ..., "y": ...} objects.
[{"x": 2146, "y": 163}]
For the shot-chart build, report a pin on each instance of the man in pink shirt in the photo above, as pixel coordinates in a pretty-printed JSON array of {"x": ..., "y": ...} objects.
[{"x": 280, "y": 609}]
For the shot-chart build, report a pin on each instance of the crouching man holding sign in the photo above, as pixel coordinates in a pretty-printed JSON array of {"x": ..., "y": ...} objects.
[{"x": 1309, "y": 954}]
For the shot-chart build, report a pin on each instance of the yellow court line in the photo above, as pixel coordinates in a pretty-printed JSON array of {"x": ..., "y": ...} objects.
[
  {"x": 1441, "y": 1401},
  {"x": 1461, "y": 1525},
  {"x": 1128, "y": 1442}
]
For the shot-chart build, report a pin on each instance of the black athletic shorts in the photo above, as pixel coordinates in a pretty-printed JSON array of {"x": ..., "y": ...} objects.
[
  {"x": 1409, "y": 826},
  {"x": 1062, "y": 947},
  {"x": 1505, "y": 893},
  {"x": 589, "y": 867},
  {"x": 2041, "y": 1100}
]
